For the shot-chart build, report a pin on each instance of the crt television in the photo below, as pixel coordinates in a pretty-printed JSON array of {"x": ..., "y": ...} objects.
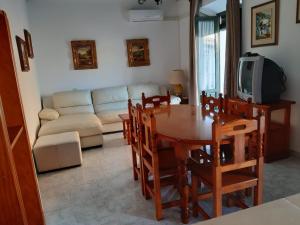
[{"x": 260, "y": 79}]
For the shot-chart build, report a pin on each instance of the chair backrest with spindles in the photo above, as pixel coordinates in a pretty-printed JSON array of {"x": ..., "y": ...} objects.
[
  {"x": 212, "y": 104},
  {"x": 148, "y": 140},
  {"x": 155, "y": 101}
]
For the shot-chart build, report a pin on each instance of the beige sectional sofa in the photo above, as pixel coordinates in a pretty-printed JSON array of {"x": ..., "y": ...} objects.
[{"x": 92, "y": 113}]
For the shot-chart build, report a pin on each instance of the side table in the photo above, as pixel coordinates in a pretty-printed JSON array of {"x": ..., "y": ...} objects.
[
  {"x": 126, "y": 126},
  {"x": 184, "y": 100}
]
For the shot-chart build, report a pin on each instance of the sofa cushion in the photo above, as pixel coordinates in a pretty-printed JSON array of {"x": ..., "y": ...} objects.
[
  {"x": 73, "y": 102},
  {"x": 48, "y": 114},
  {"x": 135, "y": 91},
  {"x": 85, "y": 124},
  {"x": 111, "y": 116},
  {"x": 108, "y": 95}
]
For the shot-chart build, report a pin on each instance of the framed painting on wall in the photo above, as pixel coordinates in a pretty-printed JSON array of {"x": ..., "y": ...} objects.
[
  {"x": 265, "y": 24},
  {"x": 23, "y": 54},
  {"x": 84, "y": 54},
  {"x": 298, "y": 12},
  {"x": 138, "y": 52},
  {"x": 28, "y": 44}
]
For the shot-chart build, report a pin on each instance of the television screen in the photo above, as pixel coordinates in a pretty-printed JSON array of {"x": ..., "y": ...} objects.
[{"x": 245, "y": 78}]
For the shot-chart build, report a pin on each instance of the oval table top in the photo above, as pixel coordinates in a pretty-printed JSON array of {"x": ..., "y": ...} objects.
[{"x": 187, "y": 123}]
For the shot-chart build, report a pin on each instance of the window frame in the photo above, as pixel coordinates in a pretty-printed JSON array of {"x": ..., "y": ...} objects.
[{"x": 216, "y": 19}]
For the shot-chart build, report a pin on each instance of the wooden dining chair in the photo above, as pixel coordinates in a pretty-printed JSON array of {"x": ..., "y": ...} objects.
[
  {"x": 155, "y": 101},
  {"x": 134, "y": 117},
  {"x": 232, "y": 176},
  {"x": 159, "y": 165},
  {"x": 212, "y": 104}
]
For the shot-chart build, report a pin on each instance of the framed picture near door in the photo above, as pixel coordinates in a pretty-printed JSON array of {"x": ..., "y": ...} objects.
[
  {"x": 265, "y": 24},
  {"x": 23, "y": 54},
  {"x": 298, "y": 12},
  {"x": 28, "y": 44}
]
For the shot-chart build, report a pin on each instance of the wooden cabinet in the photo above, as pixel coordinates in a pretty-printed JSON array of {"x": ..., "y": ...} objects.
[
  {"x": 277, "y": 132},
  {"x": 20, "y": 202}
]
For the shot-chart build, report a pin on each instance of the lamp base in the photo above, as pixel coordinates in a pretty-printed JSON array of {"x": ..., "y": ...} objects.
[{"x": 178, "y": 89}]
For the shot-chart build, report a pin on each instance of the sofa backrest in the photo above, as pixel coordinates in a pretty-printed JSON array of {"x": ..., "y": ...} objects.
[
  {"x": 135, "y": 91},
  {"x": 112, "y": 98},
  {"x": 73, "y": 102}
]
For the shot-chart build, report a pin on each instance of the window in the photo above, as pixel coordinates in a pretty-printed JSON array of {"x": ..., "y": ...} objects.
[{"x": 211, "y": 47}]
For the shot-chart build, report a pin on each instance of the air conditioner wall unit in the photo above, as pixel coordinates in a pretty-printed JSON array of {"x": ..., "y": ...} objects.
[{"x": 138, "y": 15}]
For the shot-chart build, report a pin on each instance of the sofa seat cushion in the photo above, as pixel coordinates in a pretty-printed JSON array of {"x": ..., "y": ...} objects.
[
  {"x": 111, "y": 116},
  {"x": 112, "y": 127},
  {"x": 85, "y": 124}
]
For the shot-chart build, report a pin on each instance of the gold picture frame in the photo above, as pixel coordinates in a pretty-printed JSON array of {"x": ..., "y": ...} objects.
[
  {"x": 265, "y": 24},
  {"x": 23, "y": 54},
  {"x": 28, "y": 41},
  {"x": 298, "y": 12},
  {"x": 84, "y": 54},
  {"x": 138, "y": 52}
]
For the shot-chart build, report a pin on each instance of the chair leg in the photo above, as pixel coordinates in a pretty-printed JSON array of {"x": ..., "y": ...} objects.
[
  {"x": 156, "y": 186},
  {"x": 142, "y": 178},
  {"x": 257, "y": 196},
  {"x": 195, "y": 195},
  {"x": 146, "y": 183},
  {"x": 157, "y": 198},
  {"x": 258, "y": 189},
  {"x": 217, "y": 193},
  {"x": 217, "y": 204},
  {"x": 134, "y": 165}
]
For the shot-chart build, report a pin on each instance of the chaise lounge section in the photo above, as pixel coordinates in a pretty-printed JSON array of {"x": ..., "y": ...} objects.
[{"x": 76, "y": 113}]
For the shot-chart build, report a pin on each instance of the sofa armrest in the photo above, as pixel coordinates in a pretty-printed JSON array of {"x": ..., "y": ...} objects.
[
  {"x": 175, "y": 100},
  {"x": 48, "y": 114}
]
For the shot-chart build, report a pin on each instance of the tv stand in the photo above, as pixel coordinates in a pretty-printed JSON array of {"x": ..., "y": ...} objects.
[{"x": 277, "y": 133}]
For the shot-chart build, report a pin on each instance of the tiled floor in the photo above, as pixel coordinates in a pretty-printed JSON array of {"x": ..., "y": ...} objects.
[{"x": 102, "y": 190}]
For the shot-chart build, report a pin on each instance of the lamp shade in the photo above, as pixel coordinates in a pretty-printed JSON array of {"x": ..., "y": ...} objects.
[{"x": 177, "y": 77}]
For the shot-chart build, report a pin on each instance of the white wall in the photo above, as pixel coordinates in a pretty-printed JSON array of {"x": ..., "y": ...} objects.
[
  {"x": 56, "y": 23},
  {"x": 286, "y": 54},
  {"x": 17, "y": 14},
  {"x": 184, "y": 30}
]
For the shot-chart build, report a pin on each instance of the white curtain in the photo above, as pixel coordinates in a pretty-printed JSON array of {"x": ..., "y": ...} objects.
[
  {"x": 206, "y": 71},
  {"x": 193, "y": 92}
]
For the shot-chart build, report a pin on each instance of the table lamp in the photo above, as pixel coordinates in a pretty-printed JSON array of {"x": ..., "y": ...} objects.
[{"x": 177, "y": 79}]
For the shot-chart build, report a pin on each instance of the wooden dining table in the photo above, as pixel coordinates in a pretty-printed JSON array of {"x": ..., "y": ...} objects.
[{"x": 186, "y": 127}]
